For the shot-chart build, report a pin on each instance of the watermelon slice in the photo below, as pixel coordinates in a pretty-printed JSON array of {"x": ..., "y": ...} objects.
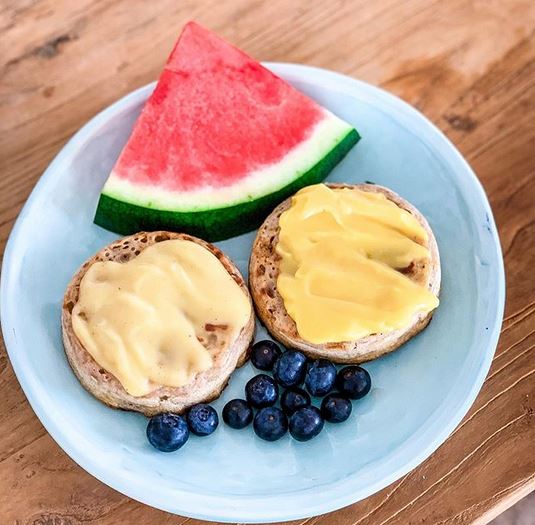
[{"x": 219, "y": 143}]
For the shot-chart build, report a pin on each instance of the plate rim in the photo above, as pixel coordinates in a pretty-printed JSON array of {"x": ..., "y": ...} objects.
[{"x": 258, "y": 508}]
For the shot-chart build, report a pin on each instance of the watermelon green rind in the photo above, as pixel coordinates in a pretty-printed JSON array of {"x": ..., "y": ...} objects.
[{"x": 216, "y": 223}]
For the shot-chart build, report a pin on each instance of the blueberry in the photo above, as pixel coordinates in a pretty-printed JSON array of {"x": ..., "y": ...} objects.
[
  {"x": 294, "y": 398},
  {"x": 237, "y": 414},
  {"x": 270, "y": 423},
  {"x": 354, "y": 382},
  {"x": 306, "y": 423},
  {"x": 202, "y": 419},
  {"x": 261, "y": 391},
  {"x": 167, "y": 432},
  {"x": 335, "y": 408},
  {"x": 289, "y": 368},
  {"x": 264, "y": 354},
  {"x": 320, "y": 377}
]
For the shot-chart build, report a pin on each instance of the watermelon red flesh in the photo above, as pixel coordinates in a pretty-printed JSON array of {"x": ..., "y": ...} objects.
[
  {"x": 214, "y": 117},
  {"x": 218, "y": 131}
]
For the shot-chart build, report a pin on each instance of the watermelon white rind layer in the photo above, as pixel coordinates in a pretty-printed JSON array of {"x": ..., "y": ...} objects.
[
  {"x": 219, "y": 213},
  {"x": 325, "y": 136}
]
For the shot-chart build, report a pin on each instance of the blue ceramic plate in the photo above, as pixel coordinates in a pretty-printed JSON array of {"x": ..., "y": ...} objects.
[{"x": 420, "y": 392}]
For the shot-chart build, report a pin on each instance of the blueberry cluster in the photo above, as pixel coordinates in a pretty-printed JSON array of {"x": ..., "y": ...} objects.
[
  {"x": 297, "y": 414},
  {"x": 290, "y": 369}
]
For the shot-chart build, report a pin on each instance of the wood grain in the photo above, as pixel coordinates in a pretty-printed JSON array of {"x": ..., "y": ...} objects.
[{"x": 468, "y": 65}]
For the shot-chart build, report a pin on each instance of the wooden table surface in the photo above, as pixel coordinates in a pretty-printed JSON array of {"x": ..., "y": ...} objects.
[{"x": 468, "y": 66}]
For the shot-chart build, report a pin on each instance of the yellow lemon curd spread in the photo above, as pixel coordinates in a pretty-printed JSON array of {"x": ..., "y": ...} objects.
[
  {"x": 141, "y": 320},
  {"x": 340, "y": 251}
]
